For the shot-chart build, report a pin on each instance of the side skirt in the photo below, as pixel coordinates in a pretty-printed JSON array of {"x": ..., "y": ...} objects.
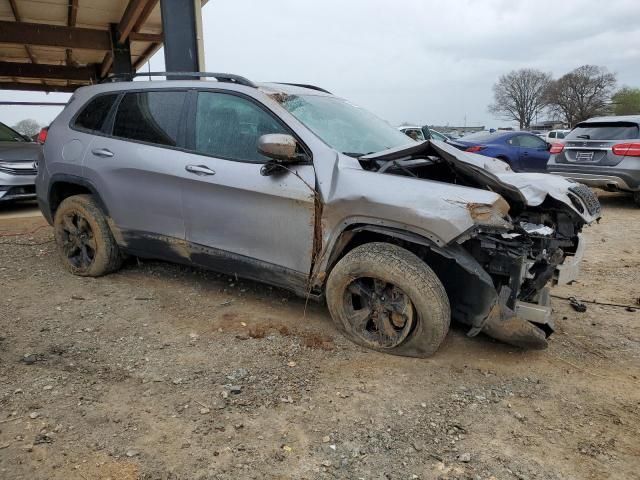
[{"x": 148, "y": 245}]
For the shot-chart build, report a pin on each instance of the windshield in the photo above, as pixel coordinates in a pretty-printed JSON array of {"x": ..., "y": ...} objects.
[
  {"x": 604, "y": 131},
  {"x": 343, "y": 126},
  {"x": 9, "y": 135}
]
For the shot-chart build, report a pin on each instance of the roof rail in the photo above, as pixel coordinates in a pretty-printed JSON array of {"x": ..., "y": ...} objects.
[
  {"x": 221, "y": 77},
  {"x": 304, "y": 85}
]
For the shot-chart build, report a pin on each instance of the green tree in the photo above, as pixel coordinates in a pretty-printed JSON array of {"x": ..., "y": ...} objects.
[{"x": 626, "y": 101}]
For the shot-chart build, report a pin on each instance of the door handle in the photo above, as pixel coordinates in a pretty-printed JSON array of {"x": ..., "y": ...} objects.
[
  {"x": 199, "y": 170},
  {"x": 102, "y": 152}
]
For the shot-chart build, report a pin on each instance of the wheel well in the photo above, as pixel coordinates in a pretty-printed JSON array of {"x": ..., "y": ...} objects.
[
  {"x": 458, "y": 271},
  {"x": 61, "y": 190}
]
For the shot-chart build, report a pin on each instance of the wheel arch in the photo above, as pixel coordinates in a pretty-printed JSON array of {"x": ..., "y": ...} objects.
[
  {"x": 470, "y": 288},
  {"x": 63, "y": 186}
]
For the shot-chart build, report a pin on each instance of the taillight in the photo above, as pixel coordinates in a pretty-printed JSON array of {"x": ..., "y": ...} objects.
[
  {"x": 556, "y": 148},
  {"x": 42, "y": 136},
  {"x": 627, "y": 149},
  {"x": 475, "y": 148}
]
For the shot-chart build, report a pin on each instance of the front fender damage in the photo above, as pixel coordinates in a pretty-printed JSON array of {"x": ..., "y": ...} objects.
[{"x": 476, "y": 302}]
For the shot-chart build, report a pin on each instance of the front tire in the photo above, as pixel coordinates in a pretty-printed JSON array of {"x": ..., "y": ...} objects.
[
  {"x": 636, "y": 198},
  {"x": 85, "y": 242},
  {"x": 384, "y": 297}
]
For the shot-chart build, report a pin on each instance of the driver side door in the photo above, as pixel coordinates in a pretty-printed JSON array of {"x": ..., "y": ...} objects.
[
  {"x": 237, "y": 220},
  {"x": 533, "y": 153}
]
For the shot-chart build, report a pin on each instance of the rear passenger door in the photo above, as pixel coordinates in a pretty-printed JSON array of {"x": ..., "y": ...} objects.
[
  {"x": 238, "y": 220},
  {"x": 137, "y": 165}
]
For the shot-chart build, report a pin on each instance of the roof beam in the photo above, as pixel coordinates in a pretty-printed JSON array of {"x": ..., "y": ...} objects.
[
  {"x": 144, "y": 16},
  {"x": 54, "y": 36},
  {"x": 56, "y": 72},
  {"x": 131, "y": 15},
  {"x": 146, "y": 37},
  {"x": 38, "y": 87},
  {"x": 72, "y": 17}
]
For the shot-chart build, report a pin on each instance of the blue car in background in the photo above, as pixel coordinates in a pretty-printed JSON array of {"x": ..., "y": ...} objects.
[{"x": 523, "y": 151}]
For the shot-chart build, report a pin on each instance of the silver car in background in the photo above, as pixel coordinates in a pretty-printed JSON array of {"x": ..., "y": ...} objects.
[
  {"x": 18, "y": 161},
  {"x": 602, "y": 152}
]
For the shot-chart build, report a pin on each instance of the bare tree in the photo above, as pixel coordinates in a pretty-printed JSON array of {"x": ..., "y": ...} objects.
[
  {"x": 520, "y": 95},
  {"x": 583, "y": 93},
  {"x": 28, "y": 127}
]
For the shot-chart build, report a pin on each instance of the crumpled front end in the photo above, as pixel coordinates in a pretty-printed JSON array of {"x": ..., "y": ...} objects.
[{"x": 498, "y": 273}]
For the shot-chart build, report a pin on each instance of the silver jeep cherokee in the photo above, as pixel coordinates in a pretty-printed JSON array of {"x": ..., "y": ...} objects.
[{"x": 295, "y": 187}]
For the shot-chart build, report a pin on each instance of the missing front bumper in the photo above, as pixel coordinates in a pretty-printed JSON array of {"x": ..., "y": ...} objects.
[
  {"x": 528, "y": 326},
  {"x": 570, "y": 268}
]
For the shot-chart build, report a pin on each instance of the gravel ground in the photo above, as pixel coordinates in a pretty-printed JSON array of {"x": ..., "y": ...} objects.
[{"x": 168, "y": 372}]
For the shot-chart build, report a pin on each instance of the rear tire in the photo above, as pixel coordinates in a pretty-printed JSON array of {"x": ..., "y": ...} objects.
[
  {"x": 636, "y": 198},
  {"x": 384, "y": 297},
  {"x": 85, "y": 242}
]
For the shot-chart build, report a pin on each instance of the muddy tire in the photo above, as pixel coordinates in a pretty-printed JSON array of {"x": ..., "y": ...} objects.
[
  {"x": 85, "y": 242},
  {"x": 384, "y": 297}
]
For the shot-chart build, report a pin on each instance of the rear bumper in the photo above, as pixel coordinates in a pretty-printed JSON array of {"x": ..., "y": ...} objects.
[{"x": 616, "y": 178}]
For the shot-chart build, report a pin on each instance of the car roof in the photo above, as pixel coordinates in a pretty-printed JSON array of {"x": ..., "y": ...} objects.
[
  {"x": 614, "y": 118},
  {"x": 268, "y": 88}
]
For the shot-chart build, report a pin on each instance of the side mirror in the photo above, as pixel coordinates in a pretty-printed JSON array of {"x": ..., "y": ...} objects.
[
  {"x": 279, "y": 147},
  {"x": 548, "y": 146}
]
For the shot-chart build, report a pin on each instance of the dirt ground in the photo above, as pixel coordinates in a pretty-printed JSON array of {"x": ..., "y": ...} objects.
[{"x": 167, "y": 372}]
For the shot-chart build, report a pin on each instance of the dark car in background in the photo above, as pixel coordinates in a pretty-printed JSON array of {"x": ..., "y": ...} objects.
[
  {"x": 602, "y": 152},
  {"x": 523, "y": 151},
  {"x": 18, "y": 160}
]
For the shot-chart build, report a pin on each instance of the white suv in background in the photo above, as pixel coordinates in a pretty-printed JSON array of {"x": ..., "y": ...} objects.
[{"x": 554, "y": 136}]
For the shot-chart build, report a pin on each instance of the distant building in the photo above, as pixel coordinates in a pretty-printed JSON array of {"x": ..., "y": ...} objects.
[{"x": 547, "y": 125}]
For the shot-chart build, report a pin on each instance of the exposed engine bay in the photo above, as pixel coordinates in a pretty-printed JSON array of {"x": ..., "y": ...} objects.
[{"x": 497, "y": 274}]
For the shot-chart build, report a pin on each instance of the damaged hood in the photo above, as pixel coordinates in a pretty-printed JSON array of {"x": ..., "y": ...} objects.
[{"x": 530, "y": 189}]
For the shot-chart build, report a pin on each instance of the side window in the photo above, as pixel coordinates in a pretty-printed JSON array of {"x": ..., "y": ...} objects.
[
  {"x": 93, "y": 115},
  {"x": 152, "y": 117},
  {"x": 229, "y": 126},
  {"x": 531, "y": 141},
  {"x": 552, "y": 134},
  {"x": 515, "y": 141}
]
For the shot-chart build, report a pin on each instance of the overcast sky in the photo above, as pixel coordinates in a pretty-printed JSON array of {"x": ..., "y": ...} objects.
[{"x": 422, "y": 61}]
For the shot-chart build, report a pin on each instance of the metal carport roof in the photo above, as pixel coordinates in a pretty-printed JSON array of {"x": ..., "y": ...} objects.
[{"x": 59, "y": 45}]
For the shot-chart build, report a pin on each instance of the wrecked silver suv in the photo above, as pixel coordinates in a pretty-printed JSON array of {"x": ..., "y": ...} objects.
[{"x": 292, "y": 186}]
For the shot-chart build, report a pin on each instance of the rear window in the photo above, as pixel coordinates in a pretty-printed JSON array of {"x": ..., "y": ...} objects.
[
  {"x": 152, "y": 117},
  {"x": 92, "y": 116},
  {"x": 605, "y": 131},
  {"x": 479, "y": 137}
]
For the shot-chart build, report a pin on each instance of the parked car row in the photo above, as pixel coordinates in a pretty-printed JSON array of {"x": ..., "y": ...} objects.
[{"x": 601, "y": 152}]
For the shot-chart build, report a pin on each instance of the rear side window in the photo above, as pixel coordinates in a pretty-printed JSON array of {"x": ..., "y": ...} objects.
[
  {"x": 152, "y": 117},
  {"x": 605, "y": 131},
  {"x": 94, "y": 114}
]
